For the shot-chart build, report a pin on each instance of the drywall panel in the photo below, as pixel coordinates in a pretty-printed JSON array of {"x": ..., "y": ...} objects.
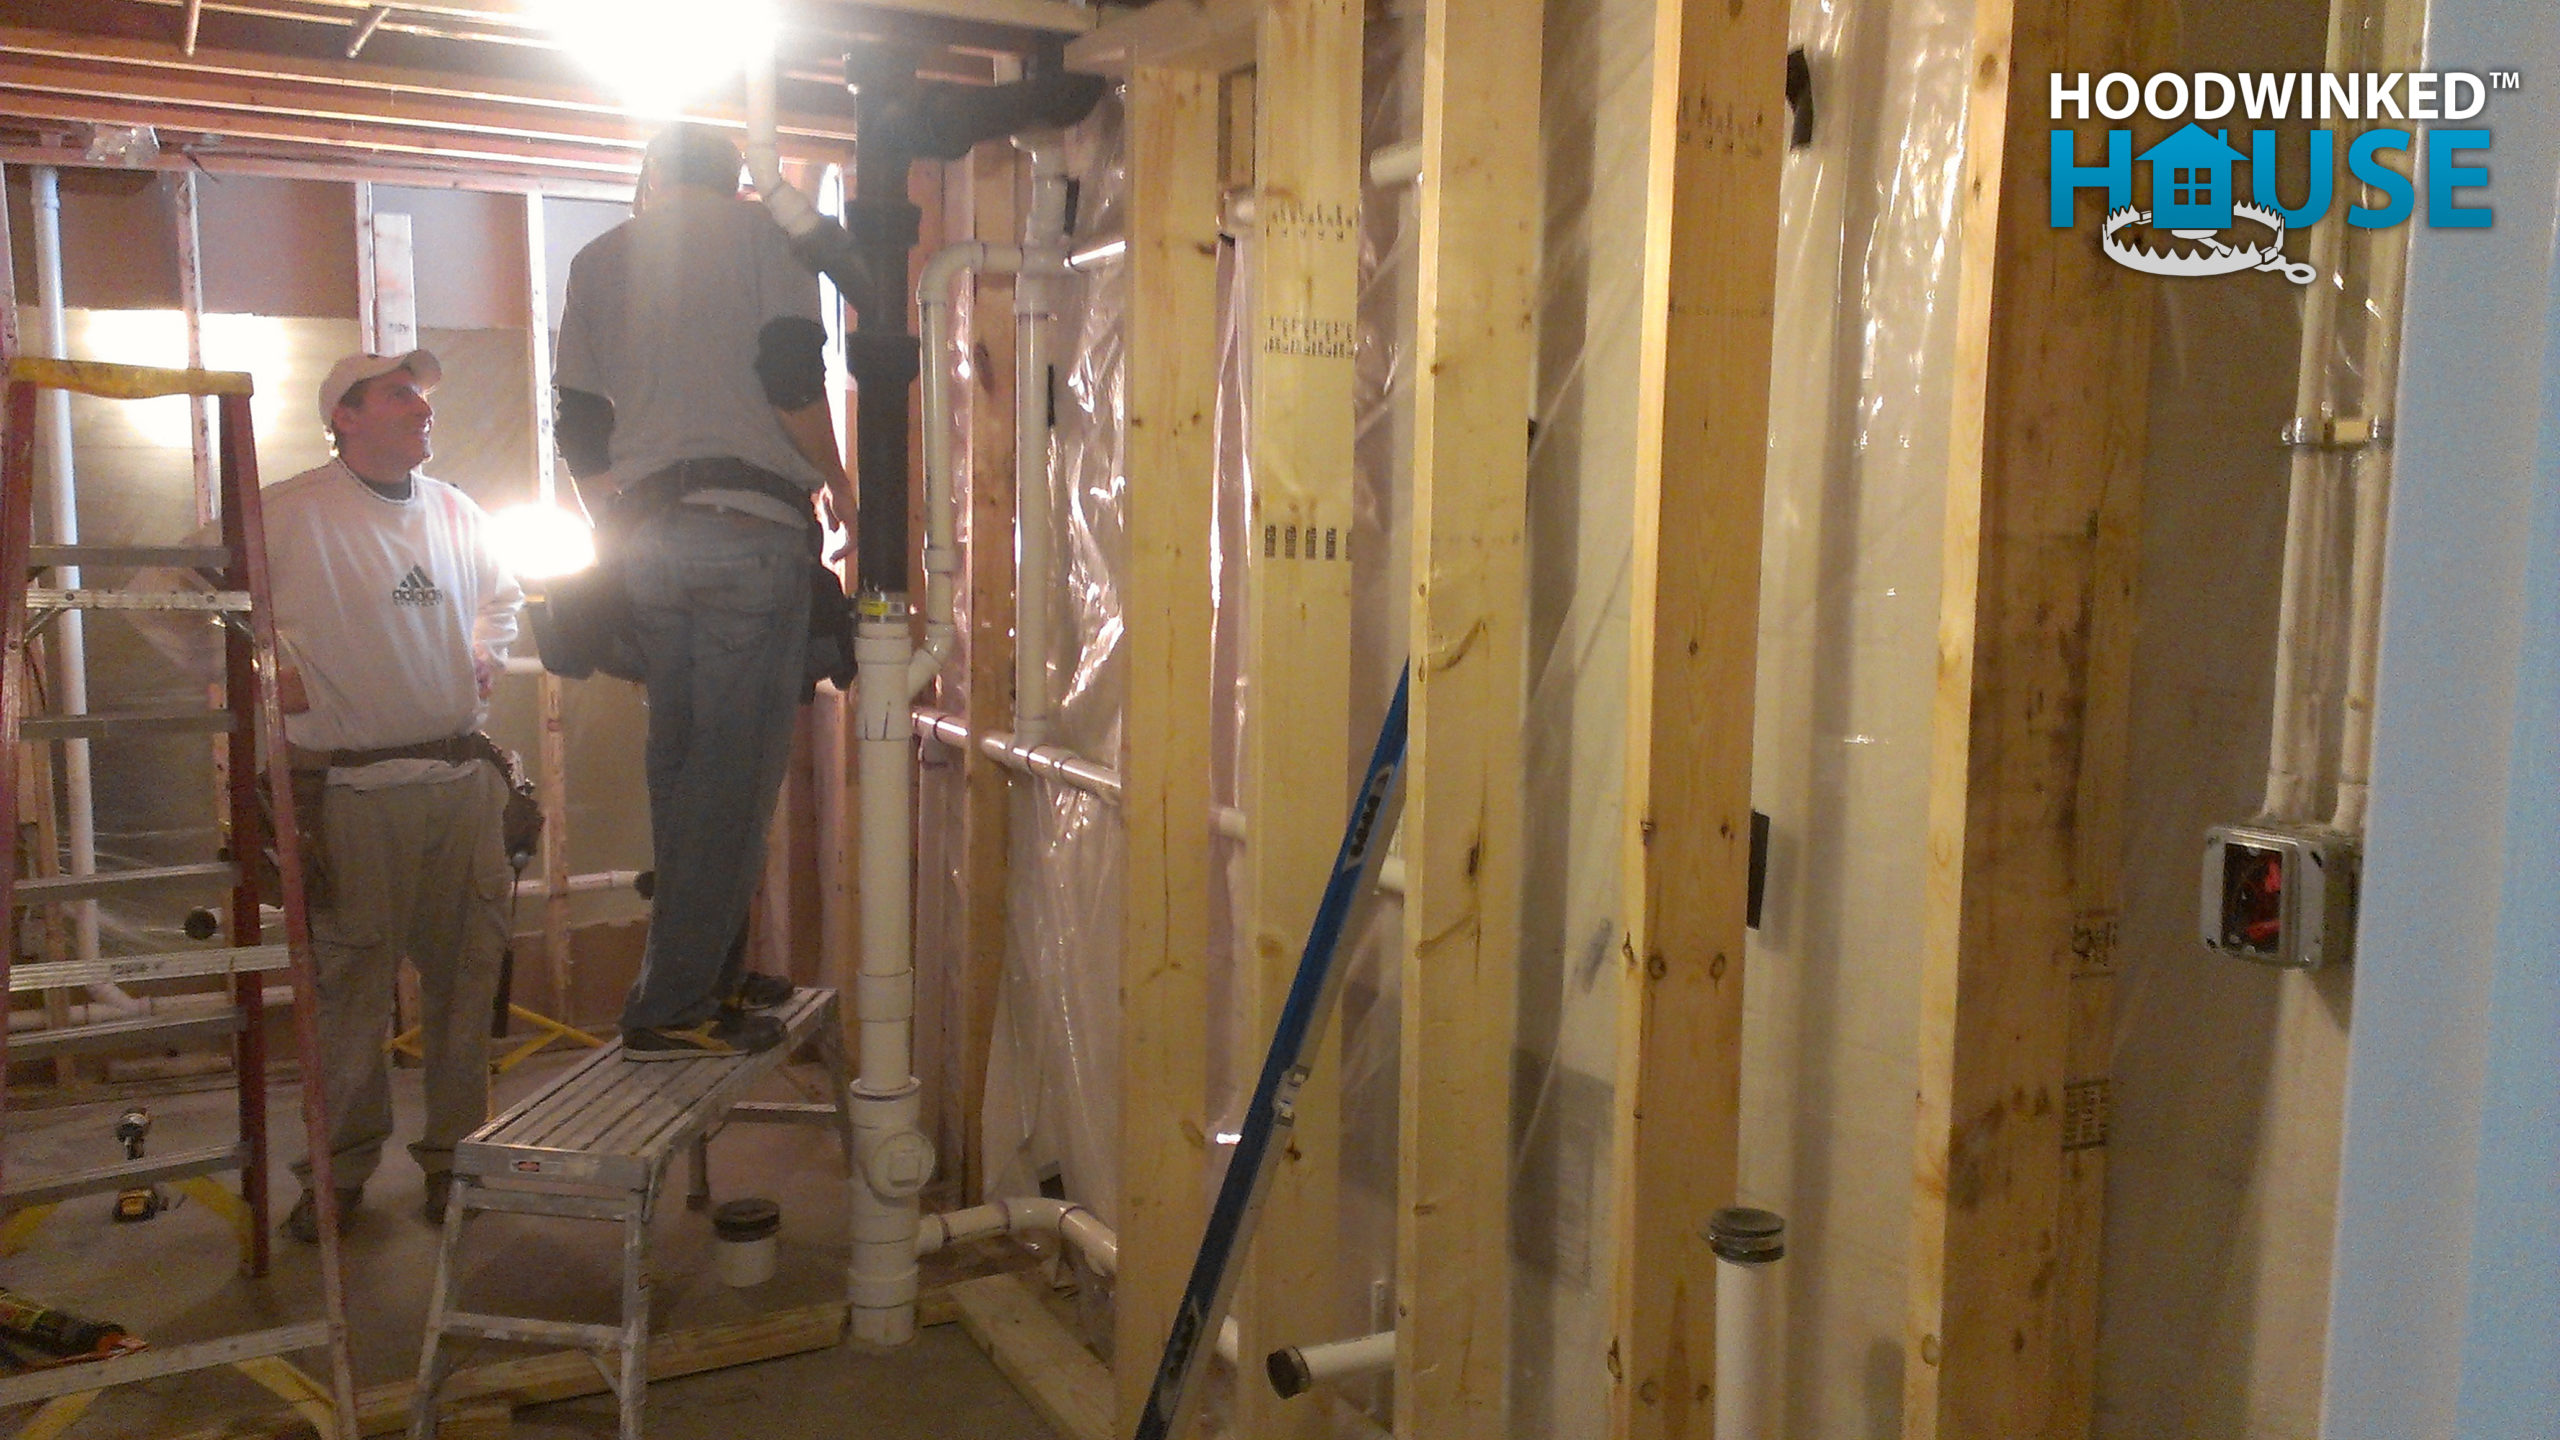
[
  {"x": 467, "y": 249},
  {"x": 278, "y": 247},
  {"x": 119, "y": 238}
]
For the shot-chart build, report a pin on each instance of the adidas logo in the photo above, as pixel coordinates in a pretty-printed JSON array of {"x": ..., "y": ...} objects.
[{"x": 416, "y": 589}]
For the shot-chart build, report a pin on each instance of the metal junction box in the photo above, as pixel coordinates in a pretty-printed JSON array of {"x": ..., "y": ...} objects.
[{"x": 2279, "y": 895}]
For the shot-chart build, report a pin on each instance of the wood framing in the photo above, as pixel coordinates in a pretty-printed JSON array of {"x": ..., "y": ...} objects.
[
  {"x": 2027, "y": 763},
  {"x": 503, "y": 180},
  {"x": 368, "y": 139},
  {"x": 1053, "y": 15},
  {"x": 1171, "y": 330},
  {"x": 1719, "y": 131},
  {"x": 1303, "y": 326},
  {"x": 367, "y": 317},
  {"x": 987, "y": 798},
  {"x": 1213, "y": 35},
  {"x": 1038, "y": 1353},
  {"x": 190, "y": 236},
  {"x": 65, "y": 63},
  {"x": 1474, "y": 368}
]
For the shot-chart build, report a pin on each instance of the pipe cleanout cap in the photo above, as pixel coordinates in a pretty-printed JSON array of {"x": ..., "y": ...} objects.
[
  {"x": 1746, "y": 1236},
  {"x": 740, "y": 1221},
  {"x": 1290, "y": 1377}
]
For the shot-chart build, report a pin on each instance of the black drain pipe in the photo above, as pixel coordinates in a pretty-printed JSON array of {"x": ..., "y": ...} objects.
[{"x": 898, "y": 121}]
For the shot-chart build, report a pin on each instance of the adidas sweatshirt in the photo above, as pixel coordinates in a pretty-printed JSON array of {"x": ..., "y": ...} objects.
[{"x": 383, "y": 605}]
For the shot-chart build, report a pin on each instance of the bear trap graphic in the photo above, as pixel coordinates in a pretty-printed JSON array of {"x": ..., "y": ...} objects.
[{"x": 2217, "y": 258}]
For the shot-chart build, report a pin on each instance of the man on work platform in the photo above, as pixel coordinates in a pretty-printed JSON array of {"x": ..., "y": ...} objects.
[
  {"x": 692, "y": 412},
  {"x": 392, "y": 618}
]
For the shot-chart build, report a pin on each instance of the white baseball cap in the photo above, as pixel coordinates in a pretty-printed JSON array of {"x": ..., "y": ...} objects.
[{"x": 423, "y": 368}]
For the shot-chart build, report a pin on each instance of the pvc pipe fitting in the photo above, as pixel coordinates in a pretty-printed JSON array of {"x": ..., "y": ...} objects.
[
  {"x": 1749, "y": 1299},
  {"x": 1296, "y": 1369},
  {"x": 744, "y": 1250},
  {"x": 1026, "y": 1215}
]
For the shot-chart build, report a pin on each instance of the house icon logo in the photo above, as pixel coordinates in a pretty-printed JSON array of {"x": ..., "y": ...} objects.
[
  {"x": 2191, "y": 199},
  {"x": 2194, "y": 171}
]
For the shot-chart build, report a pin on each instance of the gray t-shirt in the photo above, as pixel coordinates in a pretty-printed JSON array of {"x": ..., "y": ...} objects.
[{"x": 662, "y": 317}]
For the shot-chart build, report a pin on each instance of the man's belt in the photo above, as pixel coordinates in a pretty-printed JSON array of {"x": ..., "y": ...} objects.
[
  {"x": 655, "y": 491},
  {"x": 453, "y": 750}
]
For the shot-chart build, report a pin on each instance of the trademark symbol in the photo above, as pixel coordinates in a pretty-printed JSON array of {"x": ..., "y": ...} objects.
[{"x": 2506, "y": 79}]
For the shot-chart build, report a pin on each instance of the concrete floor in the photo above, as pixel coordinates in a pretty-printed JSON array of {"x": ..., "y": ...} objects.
[{"x": 176, "y": 1278}]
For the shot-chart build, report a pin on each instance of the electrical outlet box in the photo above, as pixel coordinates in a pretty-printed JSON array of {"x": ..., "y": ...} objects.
[{"x": 2279, "y": 895}]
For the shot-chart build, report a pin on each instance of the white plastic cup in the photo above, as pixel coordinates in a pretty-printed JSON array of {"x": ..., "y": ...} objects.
[{"x": 745, "y": 1249}]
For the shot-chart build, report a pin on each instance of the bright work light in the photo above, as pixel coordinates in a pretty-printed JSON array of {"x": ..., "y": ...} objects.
[
  {"x": 539, "y": 542},
  {"x": 662, "y": 54}
]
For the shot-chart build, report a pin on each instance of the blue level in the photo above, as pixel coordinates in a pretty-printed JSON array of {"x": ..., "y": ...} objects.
[{"x": 1264, "y": 1136}]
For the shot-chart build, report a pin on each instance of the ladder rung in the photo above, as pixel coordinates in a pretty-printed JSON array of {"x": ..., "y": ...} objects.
[
  {"x": 213, "y": 874},
  {"x": 146, "y": 1032},
  {"x": 530, "y": 1331},
  {"x": 164, "y": 965},
  {"x": 99, "y": 724},
  {"x": 126, "y": 382},
  {"x": 205, "y": 600},
  {"x": 124, "y": 1175},
  {"x": 131, "y": 557},
  {"x": 162, "y": 1360}
]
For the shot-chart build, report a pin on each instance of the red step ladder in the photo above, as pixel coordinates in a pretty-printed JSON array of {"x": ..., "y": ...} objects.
[{"x": 238, "y": 570}]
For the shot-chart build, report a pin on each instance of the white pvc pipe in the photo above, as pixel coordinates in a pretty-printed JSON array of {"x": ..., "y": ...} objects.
[
  {"x": 1389, "y": 166},
  {"x": 1055, "y": 762},
  {"x": 2371, "y": 469},
  {"x": 62, "y": 514},
  {"x": 884, "y": 1093},
  {"x": 1749, "y": 1246},
  {"x": 2291, "y": 738},
  {"x": 2294, "y": 739},
  {"x": 583, "y": 884},
  {"x": 1025, "y": 1215},
  {"x": 1296, "y": 1369},
  {"x": 941, "y": 545},
  {"x": 790, "y": 208}
]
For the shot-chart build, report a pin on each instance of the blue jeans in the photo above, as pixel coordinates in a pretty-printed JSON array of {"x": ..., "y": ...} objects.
[{"x": 721, "y": 605}]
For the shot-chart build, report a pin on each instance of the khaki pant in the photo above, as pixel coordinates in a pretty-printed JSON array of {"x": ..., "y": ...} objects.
[{"x": 418, "y": 871}]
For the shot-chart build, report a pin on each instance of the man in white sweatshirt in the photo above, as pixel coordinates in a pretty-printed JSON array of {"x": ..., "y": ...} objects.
[{"x": 393, "y": 615}]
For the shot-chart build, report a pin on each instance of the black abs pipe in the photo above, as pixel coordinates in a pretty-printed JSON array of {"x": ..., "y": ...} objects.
[{"x": 900, "y": 120}]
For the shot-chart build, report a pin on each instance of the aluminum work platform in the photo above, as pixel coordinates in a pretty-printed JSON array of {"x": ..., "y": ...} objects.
[{"x": 595, "y": 1144}]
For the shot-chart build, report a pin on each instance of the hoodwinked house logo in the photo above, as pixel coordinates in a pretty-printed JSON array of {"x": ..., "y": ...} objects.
[{"x": 2197, "y": 223}]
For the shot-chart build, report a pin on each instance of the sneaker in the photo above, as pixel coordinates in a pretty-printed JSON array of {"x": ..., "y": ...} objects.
[
  {"x": 759, "y": 991},
  {"x": 715, "y": 1039},
  {"x": 439, "y": 1195},
  {"x": 302, "y": 1222}
]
